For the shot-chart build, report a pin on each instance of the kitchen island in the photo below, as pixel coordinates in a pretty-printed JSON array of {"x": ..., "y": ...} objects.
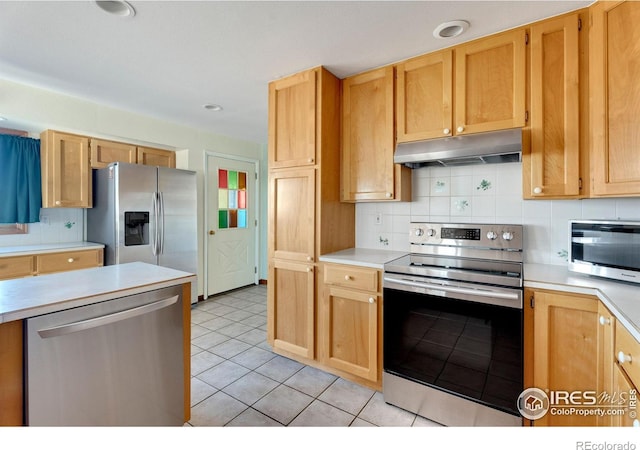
[{"x": 25, "y": 298}]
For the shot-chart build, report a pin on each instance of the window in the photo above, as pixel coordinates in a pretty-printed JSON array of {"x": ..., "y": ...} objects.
[
  {"x": 19, "y": 181},
  {"x": 232, "y": 199}
]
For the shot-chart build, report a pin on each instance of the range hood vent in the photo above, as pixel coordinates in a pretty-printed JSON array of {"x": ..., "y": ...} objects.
[{"x": 481, "y": 148}]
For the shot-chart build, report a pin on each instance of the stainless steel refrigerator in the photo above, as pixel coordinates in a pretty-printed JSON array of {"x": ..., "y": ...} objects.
[{"x": 145, "y": 213}]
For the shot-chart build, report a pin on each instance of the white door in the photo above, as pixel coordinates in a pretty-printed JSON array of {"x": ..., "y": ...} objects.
[{"x": 231, "y": 221}]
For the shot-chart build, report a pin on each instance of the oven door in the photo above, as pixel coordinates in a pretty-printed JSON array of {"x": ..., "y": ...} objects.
[{"x": 469, "y": 350}]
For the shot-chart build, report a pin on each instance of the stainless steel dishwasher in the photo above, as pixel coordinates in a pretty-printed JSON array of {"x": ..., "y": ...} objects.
[{"x": 115, "y": 363}]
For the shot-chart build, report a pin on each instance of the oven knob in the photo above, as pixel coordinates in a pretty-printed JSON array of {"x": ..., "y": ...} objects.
[
  {"x": 418, "y": 232},
  {"x": 492, "y": 235},
  {"x": 431, "y": 232},
  {"x": 507, "y": 235}
]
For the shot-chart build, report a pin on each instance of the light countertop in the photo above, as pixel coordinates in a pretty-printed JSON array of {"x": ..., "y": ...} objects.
[
  {"x": 20, "y": 250},
  {"x": 27, "y": 297},
  {"x": 621, "y": 298},
  {"x": 363, "y": 257}
]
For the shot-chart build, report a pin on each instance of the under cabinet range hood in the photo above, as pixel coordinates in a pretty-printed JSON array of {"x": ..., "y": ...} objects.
[{"x": 482, "y": 148}]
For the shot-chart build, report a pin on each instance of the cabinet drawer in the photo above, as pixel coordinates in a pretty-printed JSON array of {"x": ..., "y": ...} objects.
[
  {"x": 351, "y": 276},
  {"x": 16, "y": 267},
  {"x": 628, "y": 346},
  {"x": 61, "y": 262}
]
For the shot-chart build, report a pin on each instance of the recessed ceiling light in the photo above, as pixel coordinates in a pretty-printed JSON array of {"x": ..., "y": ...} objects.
[
  {"x": 212, "y": 107},
  {"x": 117, "y": 8},
  {"x": 450, "y": 29}
]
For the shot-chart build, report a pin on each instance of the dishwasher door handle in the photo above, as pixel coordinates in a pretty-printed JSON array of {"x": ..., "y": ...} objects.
[{"x": 104, "y": 320}]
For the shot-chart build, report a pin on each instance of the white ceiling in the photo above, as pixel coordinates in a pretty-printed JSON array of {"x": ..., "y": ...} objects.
[{"x": 175, "y": 56}]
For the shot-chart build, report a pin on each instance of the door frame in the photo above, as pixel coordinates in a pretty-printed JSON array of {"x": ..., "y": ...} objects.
[{"x": 205, "y": 228}]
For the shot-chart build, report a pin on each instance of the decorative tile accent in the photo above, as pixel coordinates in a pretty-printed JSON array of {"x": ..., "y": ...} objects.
[
  {"x": 461, "y": 205},
  {"x": 384, "y": 241},
  {"x": 484, "y": 185},
  {"x": 563, "y": 254}
]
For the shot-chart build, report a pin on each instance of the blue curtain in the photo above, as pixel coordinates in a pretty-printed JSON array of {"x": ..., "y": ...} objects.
[{"x": 20, "y": 191}]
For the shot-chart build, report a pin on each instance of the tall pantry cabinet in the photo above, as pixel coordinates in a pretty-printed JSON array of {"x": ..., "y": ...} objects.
[{"x": 305, "y": 218}]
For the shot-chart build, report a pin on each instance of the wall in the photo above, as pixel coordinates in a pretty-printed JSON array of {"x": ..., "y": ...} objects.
[
  {"x": 35, "y": 109},
  {"x": 484, "y": 194}
]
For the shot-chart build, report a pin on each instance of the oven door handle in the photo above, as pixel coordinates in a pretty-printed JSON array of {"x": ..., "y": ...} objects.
[{"x": 456, "y": 290}]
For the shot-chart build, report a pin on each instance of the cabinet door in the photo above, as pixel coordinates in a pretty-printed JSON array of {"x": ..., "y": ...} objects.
[
  {"x": 292, "y": 215},
  {"x": 291, "y": 308},
  {"x": 567, "y": 350},
  {"x": 553, "y": 162},
  {"x": 292, "y": 120},
  {"x": 490, "y": 84},
  {"x": 622, "y": 384},
  {"x": 11, "y": 375},
  {"x": 368, "y": 143},
  {"x": 424, "y": 97},
  {"x": 105, "y": 152},
  {"x": 350, "y": 337},
  {"x": 156, "y": 157},
  {"x": 66, "y": 170},
  {"x": 614, "y": 61}
]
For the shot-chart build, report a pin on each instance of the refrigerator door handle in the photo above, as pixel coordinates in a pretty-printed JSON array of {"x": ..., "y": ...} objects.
[
  {"x": 161, "y": 223},
  {"x": 154, "y": 235}
]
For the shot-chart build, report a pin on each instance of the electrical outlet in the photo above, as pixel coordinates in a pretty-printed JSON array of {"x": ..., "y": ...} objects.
[{"x": 378, "y": 218}]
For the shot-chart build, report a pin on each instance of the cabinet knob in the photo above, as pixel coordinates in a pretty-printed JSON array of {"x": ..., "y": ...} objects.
[
  {"x": 309, "y": 269},
  {"x": 604, "y": 320},
  {"x": 623, "y": 358},
  {"x": 446, "y": 131},
  {"x": 388, "y": 195},
  {"x": 311, "y": 160},
  {"x": 372, "y": 300},
  {"x": 309, "y": 258},
  {"x": 347, "y": 277},
  {"x": 537, "y": 190},
  {"x": 58, "y": 202},
  {"x": 70, "y": 260},
  {"x": 460, "y": 129}
]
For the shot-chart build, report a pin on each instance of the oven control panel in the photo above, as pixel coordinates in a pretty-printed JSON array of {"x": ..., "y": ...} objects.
[{"x": 507, "y": 236}]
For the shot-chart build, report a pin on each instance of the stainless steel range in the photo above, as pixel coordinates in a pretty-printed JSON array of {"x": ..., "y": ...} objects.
[{"x": 453, "y": 321}]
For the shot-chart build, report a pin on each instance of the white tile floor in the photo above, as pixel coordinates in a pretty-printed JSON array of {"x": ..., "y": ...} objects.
[{"x": 236, "y": 380}]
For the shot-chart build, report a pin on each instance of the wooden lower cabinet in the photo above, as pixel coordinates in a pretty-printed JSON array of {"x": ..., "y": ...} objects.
[
  {"x": 571, "y": 351},
  {"x": 11, "y": 374},
  {"x": 291, "y": 308},
  {"x": 350, "y": 325},
  {"x": 17, "y": 267}
]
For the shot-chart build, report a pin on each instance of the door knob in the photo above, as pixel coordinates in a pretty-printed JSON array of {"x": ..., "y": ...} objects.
[{"x": 211, "y": 232}]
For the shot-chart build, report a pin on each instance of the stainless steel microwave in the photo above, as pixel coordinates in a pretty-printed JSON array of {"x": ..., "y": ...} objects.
[{"x": 609, "y": 249}]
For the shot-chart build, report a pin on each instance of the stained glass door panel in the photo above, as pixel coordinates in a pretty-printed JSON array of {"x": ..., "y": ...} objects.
[{"x": 232, "y": 199}]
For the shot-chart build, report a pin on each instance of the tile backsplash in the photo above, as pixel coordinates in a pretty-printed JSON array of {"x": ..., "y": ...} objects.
[
  {"x": 483, "y": 194},
  {"x": 56, "y": 225}
]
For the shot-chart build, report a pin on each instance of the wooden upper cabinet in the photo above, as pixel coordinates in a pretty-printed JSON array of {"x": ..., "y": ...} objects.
[
  {"x": 156, "y": 157},
  {"x": 368, "y": 142},
  {"x": 292, "y": 214},
  {"x": 292, "y": 120},
  {"x": 105, "y": 152},
  {"x": 614, "y": 58},
  {"x": 66, "y": 171},
  {"x": 490, "y": 83},
  {"x": 551, "y": 168},
  {"x": 424, "y": 97}
]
